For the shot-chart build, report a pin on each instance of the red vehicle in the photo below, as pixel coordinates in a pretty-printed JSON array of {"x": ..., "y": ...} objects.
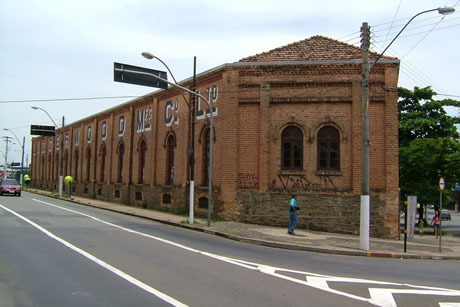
[{"x": 10, "y": 186}]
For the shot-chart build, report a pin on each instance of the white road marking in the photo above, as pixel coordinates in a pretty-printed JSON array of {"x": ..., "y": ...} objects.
[
  {"x": 384, "y": 297},
  {"x": 379, "y": 296},
  {"x": 103, "y": 264}
]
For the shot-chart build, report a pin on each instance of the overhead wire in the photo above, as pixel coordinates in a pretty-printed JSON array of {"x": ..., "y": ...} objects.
[
  {"x": 410, "y": 70},
  {"x": 67, "y": 99},
  {"x": 353, "y": 39},
  {"x": 411, "y": 28},
  {"x": 406, "y": 67},
  {"x": 394, "y": 18},
  {"x": 423, "y": 37}
]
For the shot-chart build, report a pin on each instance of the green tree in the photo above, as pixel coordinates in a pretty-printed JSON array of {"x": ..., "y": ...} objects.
[
  {"x": 422, "y": 117},
  {"x": 428, "y": 144}
]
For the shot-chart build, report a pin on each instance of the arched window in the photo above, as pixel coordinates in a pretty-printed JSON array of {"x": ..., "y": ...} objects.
[
  {"x": 291, "y": 148},
  {"x": 88, "y": 164},
  {"x": 170, "y": 146},
  {"x": 328, "y": 148},
  {"x": 121, "y": 154},
  {"x": 205, "y": 158},
  {"x": 142, "y": 155},
  {"x": 103, "y": 154}
]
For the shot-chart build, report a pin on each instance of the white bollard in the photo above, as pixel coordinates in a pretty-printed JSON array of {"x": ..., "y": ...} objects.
[
  {"x": 364, "y": 223},
  {"x": 192, "y": 192}
]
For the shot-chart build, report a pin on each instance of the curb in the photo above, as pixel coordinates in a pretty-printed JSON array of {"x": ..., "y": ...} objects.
[{"x": 266, "y": 243}]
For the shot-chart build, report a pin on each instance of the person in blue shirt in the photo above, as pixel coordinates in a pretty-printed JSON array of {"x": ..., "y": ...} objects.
[{"x": 293, "y": 215}]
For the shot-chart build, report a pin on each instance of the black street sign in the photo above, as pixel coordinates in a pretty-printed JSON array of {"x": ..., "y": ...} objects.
[
  {"x": 139, "y": 75},
  {"x": 42, "y": 130}
]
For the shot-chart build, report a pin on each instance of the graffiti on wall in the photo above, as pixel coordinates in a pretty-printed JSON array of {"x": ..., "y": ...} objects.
[
  {"x": 213, "y": 94},
  {"x": 121, "y": 125},
  {"x": 144, "y": 117},
  {"x": 247, "y": 181},
  {"x": 299, "y": 182},
  {"x": 171, "y": 113},
  {"x": 104, "y": 130}
]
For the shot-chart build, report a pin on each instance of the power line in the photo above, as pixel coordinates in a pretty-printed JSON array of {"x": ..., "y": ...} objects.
[
  {"x": 419, "y": 27},
  {"x": 412, "y": 72},
  {"x": 401, "y": 22},
  {"x": 67, "y": 99},
  {"x": 396, "y": 14},
  {"x": 424, "y": 37},
  {"x": 441, "y": 94}
]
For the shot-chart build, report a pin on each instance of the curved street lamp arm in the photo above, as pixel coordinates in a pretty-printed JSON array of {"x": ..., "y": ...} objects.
[
  {"x": 38, "y": 108},
  {"x": 19, "y": 142},
  {"x": 150, "y": 56},
  {"x": 442, "y": 11}
]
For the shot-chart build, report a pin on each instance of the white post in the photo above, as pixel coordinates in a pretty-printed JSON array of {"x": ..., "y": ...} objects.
[
  {"x": 192, "y": 192},
  {"x": 60, "y": 185},
  {"x": 364, "y": 225},
  {"x": 411, "y": 210}
]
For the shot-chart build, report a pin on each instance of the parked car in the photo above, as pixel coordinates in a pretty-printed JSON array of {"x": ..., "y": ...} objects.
[
  {"x": 445, "y": 215},
  {"x": 10, "y": 186}
]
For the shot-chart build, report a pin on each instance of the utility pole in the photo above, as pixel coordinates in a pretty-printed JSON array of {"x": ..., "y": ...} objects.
[
  {"x": 21, "y": 178},
  {"x": 7, "y": 140},
  {"x": 61, "y": 162},
  {"x": 192, "y": 146},
  {"x": 365, "y": 199}
]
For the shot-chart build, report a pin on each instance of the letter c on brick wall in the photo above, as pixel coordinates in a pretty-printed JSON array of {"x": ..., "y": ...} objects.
[{"x": 168, "y": 117}]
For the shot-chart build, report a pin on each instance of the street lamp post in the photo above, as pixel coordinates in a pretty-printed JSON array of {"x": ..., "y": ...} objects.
[
  {"x": 22, "y": 156},
  {"x": 191, "y": 150},
  {"x": 211, "y": 127},
  {"x": 61, "y": 145},
  {"x": 365, "y": 199}
]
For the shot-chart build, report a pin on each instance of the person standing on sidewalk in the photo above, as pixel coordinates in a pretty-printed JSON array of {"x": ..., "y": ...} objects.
[
  {"x": 421, "y": 226},
  {"x": 293, "y": 215},
  {"x": 436, "y": 222}
]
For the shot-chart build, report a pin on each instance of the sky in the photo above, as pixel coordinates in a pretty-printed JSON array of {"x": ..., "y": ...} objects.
[{"x": 58, "y": 54}]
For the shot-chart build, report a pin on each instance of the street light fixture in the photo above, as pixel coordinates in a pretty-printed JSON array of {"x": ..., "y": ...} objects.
[
  {"x": 61, "y": 145},
  {"x": 22, "y": 156},
  {"x": 364, "y": 216},
  {"x": 38, "y": 108},
  {"x": 150, "y": 56},
  {"x": 191, "y": 150},
  {"x": 441, "y": 10}
]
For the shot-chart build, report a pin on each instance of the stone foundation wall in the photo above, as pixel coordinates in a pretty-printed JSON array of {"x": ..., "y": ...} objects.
[{"x": 330, "y": 213}]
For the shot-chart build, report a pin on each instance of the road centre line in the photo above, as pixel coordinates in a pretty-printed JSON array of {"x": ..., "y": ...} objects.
[
  {"x": 313, "y": 280},
  {"x": 100, "y": 262}
]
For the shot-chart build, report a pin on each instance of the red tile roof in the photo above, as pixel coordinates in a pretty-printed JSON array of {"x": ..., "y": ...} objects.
[{"x": 315, "y": 48}]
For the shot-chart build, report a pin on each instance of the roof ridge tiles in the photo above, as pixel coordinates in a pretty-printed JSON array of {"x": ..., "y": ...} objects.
[{"x": 315, "y": 48}]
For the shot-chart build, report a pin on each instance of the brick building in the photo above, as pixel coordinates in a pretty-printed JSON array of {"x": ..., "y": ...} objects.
[{"x": 286, "y": 121}]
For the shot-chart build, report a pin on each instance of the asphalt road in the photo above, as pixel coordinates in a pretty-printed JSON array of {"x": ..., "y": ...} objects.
[{"x": 57, "y": 253}]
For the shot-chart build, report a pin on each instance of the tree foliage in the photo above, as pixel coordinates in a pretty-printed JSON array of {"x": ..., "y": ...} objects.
[
  {"x": 429, "y": 144},
  {"x": 422, "y": 117}
]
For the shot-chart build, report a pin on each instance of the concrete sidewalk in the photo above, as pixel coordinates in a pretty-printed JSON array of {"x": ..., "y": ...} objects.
[{"x": 426, "y": 247}]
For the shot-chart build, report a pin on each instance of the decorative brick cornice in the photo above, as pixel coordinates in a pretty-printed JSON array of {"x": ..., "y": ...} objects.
[{"x": 274, "y": 100}]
